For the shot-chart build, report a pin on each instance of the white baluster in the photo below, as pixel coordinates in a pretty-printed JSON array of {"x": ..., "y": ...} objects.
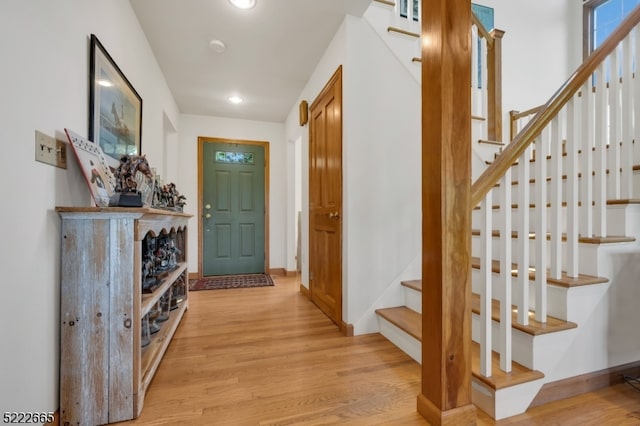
[
  {"x": 555, "y": 198},
  {"x": 573, "y": 126},
  {"x": 587, "y": 126},
  {"x": 485, "y": 285},
  {"x": 505, "y": 273},
  {"x": 626, "y": 153},
  {"x": 540, "y": 227},
  {"x": 636, "y": 95},
  {"x": 599, "y": 160},
  {"x": 614, "y": 125},
  {"x": 484, "y": 93},
  {"x": 475, "y": 107},
  {"x": 523, "y": 235}
]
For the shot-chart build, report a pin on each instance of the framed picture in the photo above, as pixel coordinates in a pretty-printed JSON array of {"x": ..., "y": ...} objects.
[
  {"x": 94, "y": 167},
  {"x": 115, "y": 108}
]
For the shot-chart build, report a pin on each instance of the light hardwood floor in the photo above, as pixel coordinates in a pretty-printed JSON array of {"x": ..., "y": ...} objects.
[{"x": 268, "y": 356}]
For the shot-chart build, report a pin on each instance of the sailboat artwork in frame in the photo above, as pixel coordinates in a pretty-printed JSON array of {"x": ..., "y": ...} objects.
[{"x": 115, "y": 108}]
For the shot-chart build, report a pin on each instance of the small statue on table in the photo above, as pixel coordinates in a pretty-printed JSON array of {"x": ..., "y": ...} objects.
[
  {"x": 168, "y": 197},
  {"x": 127, "y": 193},
  {"x": 149, "y": 280}
]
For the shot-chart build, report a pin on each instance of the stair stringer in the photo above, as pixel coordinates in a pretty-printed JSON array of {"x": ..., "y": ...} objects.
[
  {"x": 506, "y": 402},
  {"x": 499, "y": 404},
  {"x": 608, "y": 335},
  {"x": 380, "y": 17},
  {"x": 391, "y": 296}
]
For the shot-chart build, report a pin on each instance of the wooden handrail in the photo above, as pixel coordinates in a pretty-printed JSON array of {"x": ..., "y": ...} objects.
[
  {"x": 512, "y": 152},
  {"x": 481, "y": 29},
  {"x": 514, "y": 116}
]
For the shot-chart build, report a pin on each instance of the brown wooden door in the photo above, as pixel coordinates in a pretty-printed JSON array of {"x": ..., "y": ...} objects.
[{"x": 325, "y": 199}]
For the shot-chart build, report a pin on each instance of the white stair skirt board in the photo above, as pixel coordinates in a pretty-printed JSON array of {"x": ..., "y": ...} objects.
[
  {"x": 505, "y": 402},
  {"x": 408, "y": 344}
]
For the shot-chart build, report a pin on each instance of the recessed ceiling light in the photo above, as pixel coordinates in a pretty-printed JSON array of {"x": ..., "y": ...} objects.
[
  {"x": 235, "y": 99},
  {"x": 217, "y": 46},
  {"x": 243, "y": 4}
]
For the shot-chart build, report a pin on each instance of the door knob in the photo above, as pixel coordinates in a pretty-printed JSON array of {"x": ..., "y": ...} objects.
[
  {"x": 207, "y": 216},
  {"x": 334, "y": 215},
  {"x": 207, "y": 206}
]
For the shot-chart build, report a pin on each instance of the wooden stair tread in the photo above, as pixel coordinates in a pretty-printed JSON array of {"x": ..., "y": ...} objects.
[
  {"x": 586, "y": 240},
  {"x": 623, "y": 201},
  {"x": 403, "y": 32},
  {"x": 534, "y": 328},
  {"x": 414, "y": 284},
  {"x": 499, "y": 379},
  {"x": 386, "y": 2},
  {"x": 411, "y": 322},
  {"x": 486, "y": 141},
  {"x": 563, "y": 281},
  {"x": 405, "y": 319}
]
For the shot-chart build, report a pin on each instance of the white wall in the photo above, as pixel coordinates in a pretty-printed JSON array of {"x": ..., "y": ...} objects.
[
  {"x": 44, "y": 86},
  {"x": 193, "y": 126},
  {"x": 332, "y": 58},
  {"x": 541, "y": 48},
  {"x": 381, "y": 170}
]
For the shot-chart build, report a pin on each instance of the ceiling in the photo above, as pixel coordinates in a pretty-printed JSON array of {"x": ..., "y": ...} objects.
[{"x": 271, "y": 51}]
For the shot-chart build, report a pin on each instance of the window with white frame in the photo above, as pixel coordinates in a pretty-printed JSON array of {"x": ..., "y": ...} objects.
[{"x": 601, "y": 17}]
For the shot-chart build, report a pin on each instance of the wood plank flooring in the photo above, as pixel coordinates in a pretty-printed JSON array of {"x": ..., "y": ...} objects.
[{"x": 267, "y": 356}]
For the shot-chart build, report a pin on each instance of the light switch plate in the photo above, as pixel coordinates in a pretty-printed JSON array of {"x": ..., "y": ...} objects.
[{"x": 51, "y": 151}]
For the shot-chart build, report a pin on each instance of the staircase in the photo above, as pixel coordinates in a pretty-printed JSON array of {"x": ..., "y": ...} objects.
[{"x": 563, "y": 191}]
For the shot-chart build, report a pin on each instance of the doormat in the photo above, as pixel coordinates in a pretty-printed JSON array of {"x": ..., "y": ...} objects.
[{"x": 230, "y": 281}]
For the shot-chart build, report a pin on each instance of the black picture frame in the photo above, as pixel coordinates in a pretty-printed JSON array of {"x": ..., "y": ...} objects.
[{"x": 115, "y": 107}]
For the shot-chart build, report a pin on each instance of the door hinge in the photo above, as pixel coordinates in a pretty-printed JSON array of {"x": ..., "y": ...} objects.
[{"x": 310, "y": 275}]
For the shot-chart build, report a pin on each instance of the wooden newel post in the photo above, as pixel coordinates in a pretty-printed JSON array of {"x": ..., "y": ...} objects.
[
  {"x": 445, "y": 397},
  {"x": 494, "y": 86}
]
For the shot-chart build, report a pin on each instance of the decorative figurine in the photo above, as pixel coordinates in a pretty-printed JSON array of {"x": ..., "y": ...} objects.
[
  {"x": 179, "y": 291},
  {"x": 168, "y": 197},
  {"x": 127, "y": 193},
  {"x": 165, "y": 306},
  {"x": 149, "y": 279},
  {"x": 145, "y": 337}
]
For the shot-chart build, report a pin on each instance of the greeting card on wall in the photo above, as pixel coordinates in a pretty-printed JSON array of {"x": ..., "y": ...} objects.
[{"x": 95, "y": 168}]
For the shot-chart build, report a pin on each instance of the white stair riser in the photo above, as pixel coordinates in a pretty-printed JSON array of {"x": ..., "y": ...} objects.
[
  {"x": 408, "y": 344},
  {"x": 511, "y": 399},
  {"x": 497, "y": 216},
  {"x": 587, "y": 253},
  {"x": 611, "y": 193},
  {"x": 476, "y": 243},
  {"x": 556, "y": 295},
  {"x": 618, "y": 219},
  {"x": 523, "y": 350},
  {"x": 412, "y": 299}
]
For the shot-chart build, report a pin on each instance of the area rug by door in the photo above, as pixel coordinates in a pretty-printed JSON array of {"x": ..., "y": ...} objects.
[{"x": 230, "y": 281}]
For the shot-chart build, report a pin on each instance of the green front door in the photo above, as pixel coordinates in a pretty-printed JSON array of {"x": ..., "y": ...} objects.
[{"x": 233, "y": 203}]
